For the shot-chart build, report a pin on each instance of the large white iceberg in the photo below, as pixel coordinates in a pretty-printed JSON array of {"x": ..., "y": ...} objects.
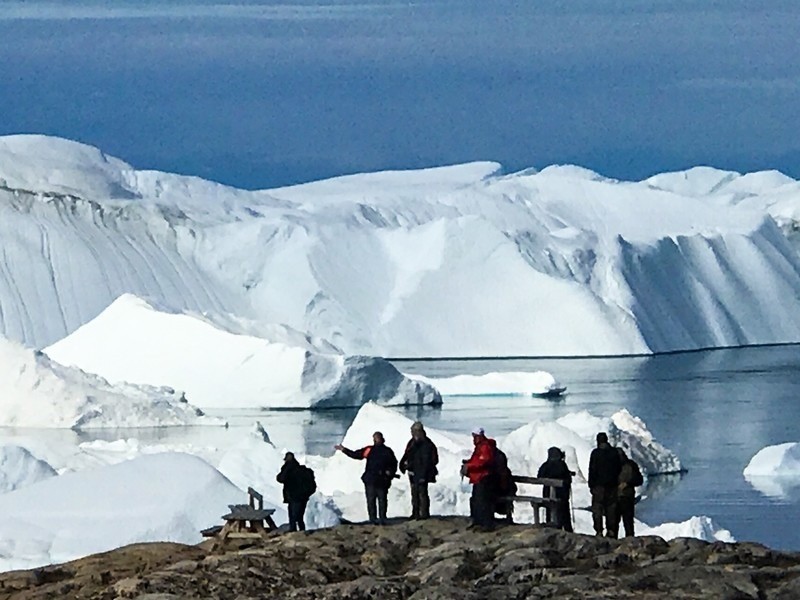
[
  {"x": 781, "y": 460},
  {"x": 35, "y": 391},
  {"x": 455, "y": 261},
  {"x": 775, "y": 470},
  {"x": 221, "y": 363},
  {"x": 168, "y": 497}
]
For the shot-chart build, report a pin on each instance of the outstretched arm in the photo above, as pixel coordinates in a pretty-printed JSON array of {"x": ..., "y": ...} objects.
[{"x": 354, "y": 454}]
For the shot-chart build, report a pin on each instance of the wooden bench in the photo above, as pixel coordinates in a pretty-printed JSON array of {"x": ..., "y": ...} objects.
[
  {"x": 536, "y": 502},
  {"x": 244, "y": 521}
]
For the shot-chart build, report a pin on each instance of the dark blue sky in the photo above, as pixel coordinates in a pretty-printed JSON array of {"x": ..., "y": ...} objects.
[{"x": 259, "y": 94}]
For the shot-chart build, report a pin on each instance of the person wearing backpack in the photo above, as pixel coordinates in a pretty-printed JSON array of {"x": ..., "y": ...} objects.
[
  {"x": 298, "y": 486},
  {"x": 555, "y": 467},
  {"x": 504, "y": 485},
  {"x": 420, "y": 460},
  {"x": 630, "y": 476}
]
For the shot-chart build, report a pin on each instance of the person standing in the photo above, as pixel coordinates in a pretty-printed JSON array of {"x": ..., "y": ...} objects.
[
  {"x": 378, "y": 474},
  {"x": 630, "y": 476},
  {"x": 420, "y": 460},
  {"x": 604, "y": 469},
  {"x": 555, "y": 467},
  {"x": 480, "y": 470},
  {"x": 298, "y": 486}
]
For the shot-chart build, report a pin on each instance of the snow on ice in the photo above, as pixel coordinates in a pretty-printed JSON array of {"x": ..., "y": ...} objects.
[
  {"x": 493, "y": 384},
  {"x": 168, "y": 497},
  {"x": 35, "y": 391},
  {"x": 20, "y": 468},
  {"x": 449, "y": 261},
  {"x": 219, "y": 364}
]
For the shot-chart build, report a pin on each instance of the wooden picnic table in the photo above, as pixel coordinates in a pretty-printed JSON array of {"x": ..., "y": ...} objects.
[{"x": 244, "y": 521}]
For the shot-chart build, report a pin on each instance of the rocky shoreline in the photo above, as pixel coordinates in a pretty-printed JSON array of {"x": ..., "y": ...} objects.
[{"x": 436, "y": 559}]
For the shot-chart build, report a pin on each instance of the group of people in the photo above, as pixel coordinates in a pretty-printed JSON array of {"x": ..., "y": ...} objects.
[
  {"x": 613, "y": 478},
  {"x": 419, "y": 460}
]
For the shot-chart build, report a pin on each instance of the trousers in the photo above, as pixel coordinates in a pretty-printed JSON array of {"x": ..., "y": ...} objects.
[
  {"x": 481, "y": 503},
  {"x": 420, "y": 501},
  {"x": 625, "y": 511},
  {"x": 377, "y": 500},
  {"x": 604, "y": 506},
  {"x": 297, "y": 511}
]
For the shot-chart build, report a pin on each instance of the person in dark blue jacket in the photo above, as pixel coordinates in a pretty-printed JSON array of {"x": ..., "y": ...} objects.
[{"x": 380, "y": 469}]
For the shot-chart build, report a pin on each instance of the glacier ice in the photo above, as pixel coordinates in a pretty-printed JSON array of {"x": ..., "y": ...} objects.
[
  {"x": 452, "y": 261},
  {"x": 224, "y": 362},
  {"x": 168, "y": 497},
  {"x": 493, "y": 384},
  {"x": 36, "y": 391}
]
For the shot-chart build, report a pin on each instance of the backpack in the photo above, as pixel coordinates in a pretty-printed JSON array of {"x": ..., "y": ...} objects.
[
  {"x": 502, "y": 474},
  {"x": 308, "y": 484},
  {"x": 636, "y": 478}
]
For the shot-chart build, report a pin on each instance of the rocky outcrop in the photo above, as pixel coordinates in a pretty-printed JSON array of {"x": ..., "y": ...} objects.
[{"x": 431, "y": 560}]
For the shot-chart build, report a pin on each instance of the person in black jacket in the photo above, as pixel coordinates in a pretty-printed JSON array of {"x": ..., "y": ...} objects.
[
  {"x": 604, "y": 469},
  {"x": 420, "y": 460},
  {"x": 378, "y": 474},
  {"x": 555, "y": 467},
  {"x": 297, "y": 482}
]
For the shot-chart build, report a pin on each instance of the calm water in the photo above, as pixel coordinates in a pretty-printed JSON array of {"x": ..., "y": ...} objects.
[{"x": 714, "y": 409}]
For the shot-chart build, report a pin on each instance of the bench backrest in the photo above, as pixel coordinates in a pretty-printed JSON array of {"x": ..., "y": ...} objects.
[
  {"x": 255, "y": 497},
  {"x": 551, "y": 483},
  {"x": 539, "y": 481}
]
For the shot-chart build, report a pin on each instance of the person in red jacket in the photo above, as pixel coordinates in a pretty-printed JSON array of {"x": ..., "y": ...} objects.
[{"x": 480, "y": 470}]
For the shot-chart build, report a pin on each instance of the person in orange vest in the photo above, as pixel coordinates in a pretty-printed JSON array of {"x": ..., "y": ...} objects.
[
  {"x": 480, "y": 470},
  {"x": 378, "y": 474}
]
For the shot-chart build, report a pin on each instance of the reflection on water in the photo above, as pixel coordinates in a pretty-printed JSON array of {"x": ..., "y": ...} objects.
[{"x": 783, "y": 489}]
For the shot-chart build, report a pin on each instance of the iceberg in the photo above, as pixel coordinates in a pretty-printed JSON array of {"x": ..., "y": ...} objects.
[
  {"x": 225, "y": 362},
  {"x": 451, "y": 261},
  {"x": 775, "y": 471},
  {"x": 781, "y": 460},
  {"x": 20, "y": 468},
  {"x": 536, "y": 383},
  {"x": 165, "y": 497},
  {"x": 36, "y": 391},
  {"x": 702, "y": 528}
]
